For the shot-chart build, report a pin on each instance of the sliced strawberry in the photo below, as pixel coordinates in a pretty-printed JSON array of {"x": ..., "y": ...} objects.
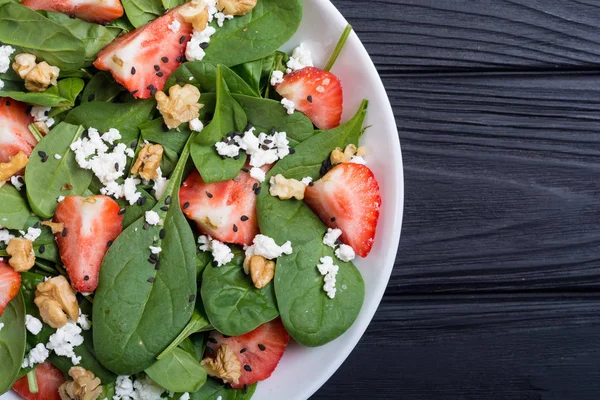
[
  {"x": 348, "y": 198},
  {"x": 316, "y": 93},
  {"x": 224, "y": 210},
  {"x": 258, "y": 351},
  {"x": 49, "y": 378},
  {"x": 99, "y": 11},
  {"x": 10, "y": 282},
  {"x": 14, "y": 133},
  {"x": 143, "y": 59},
  {"x": 91, "y": 224}
]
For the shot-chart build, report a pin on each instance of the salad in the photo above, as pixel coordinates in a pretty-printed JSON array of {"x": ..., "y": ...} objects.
[{"x": 178, "y": 198}]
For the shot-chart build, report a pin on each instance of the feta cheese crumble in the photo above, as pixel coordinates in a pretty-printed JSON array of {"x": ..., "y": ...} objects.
[
  {"x": 141, "y": 389},
  {"x": 174, "y": 26},
  {"x": 358, "y": 160},
  {"x": 40, "y": 113},
  {"x": 221, "y": 17},
  {"x": 17, "y": 182},
  {"x": 221, "y": 252},
  {"x": 345, "y": 253},
  {"x": 257, "y": 174},
  {"x": 1, "y": 325},
  {"x": 301, "y": 57},
  {"x": 267, "y": 247},
  {"x": 276, "y": 77},
  {"x": 57, "y": 156},
  {"x": 31, "y": 234},
  {"x": 152, "y": 217},
  {"x": 155, "y": 249},
  {"x": 5, "y": 236},
  {"x": 194, "y": 50},
  {"x": 306, "y": 180},
  {"x": 60, "y": 198},
  {"x": 264, "y": 149},
  {"x": 83, "y": 320},
  {"x": 5, "y": 53},
  {"x": 64, "y": 341},
  {"x": 196, "y": 125},
  {"x": 37, "y": 355},
  {"x": 33, "y": 324},
  {"x": 289, "y": 105},
  {"x": 328, "y": 269},
  {"x": 331, "y": 237},
  {"x": 185, "y": 396}
]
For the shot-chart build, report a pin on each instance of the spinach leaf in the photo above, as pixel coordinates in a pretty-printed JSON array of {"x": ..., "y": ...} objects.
[
  {"x": 45, "y": 180},
  {"x": 93, "y": 36},
  {"x": 168, "y": 4},
  {"x": 30, "y": 32},
  {"x": 228, "y": 117},
  {"x": 157, "y": 132},
  {"x": 204, "y": 76},
  {"x": 125, "y": 117},
  {"x": 140, "y": 309},
  {"x": 233, "y": 305},
  {"x": 45, "y": 246},
  {"x": 102, "y": 87},
  {"x": 61, "y": 95},
  {"x": 140, "y": 12},
  {"x": 257, "y": 73},
  {"x": 214, "y": 389},
  {"x": 134, "y": 212},
  {"x": 257, "y": 34},
  {"x": 178, "y": 371},
  {"x": 15, "y": 210},
  {"x": 195, "y": 345},
  {"x": 12, "y": 342},
  {"x": 203, "y": 259},
  {"x": 308, "y": 314},
  {"x": 265, "y": 114}
]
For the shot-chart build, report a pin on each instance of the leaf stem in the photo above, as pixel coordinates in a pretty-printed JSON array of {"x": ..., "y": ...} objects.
[
  {"x": 32, "y": 381},
  {"x": 35, "y": 132},
  {"x": 3, "y": 253},
  {"x": 338, "y": 47}
]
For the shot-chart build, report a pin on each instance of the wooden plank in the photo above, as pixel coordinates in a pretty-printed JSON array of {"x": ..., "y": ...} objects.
[
  {"x": 502, "y": 188},
  {"x": 484, "y": 347},
  {"x": 418, "y": 35}
]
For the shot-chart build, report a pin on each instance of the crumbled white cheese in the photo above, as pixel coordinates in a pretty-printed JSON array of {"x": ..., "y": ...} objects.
[
  {"x": 219, "y": 398},
  {"x": 33, "y": 324},
  {"x": 83, "y": 320},
  {"x": 111, "y": 136},
  {"x": 37, "y": 355},
  {"x": 194, "y": 50},
  {"x": 5, "y": 236},
  {"x": 40, "y": 113},
  {"x": 185, "y": 396},
  {"x": 50, "y": 122},
  {"x": 276, "y": 77},
  {"x": 329, "y": 270},
  {"x": 264, "y": 149},
  {"x": 227, "y": 150},
  {"x": 221, "y": 17},
  {"x": 152, "y": 217},
  {"x": 221, "y": 252},
  {"x": 160, "y": 184},
  {"x": 64, "y": 341},
  {"x": 17, "y": 182},
  {"x": 331, "y": 237},
  {"x": 141, "y": 389},
  {"x": 267, "y": 247},
  {"x": 57, "y": 156},
  {"x": 289, "y": 105},
  {"x": 301, "y": 57},
  {"x": 1, "y": 326},
  {"x": 5, "y": 53},
  {"x": 129, "y": 190},
  {"x": 31, "y": 234},
  {"x": 358, "y": 160},
  {"x": 345, "y": 253},
  {"x": 174, "y": 26},
  {"x": 155, "y": 249},
  {"x": 1, "y": 84},
  {"x": 306, "y": 180},
  {"x": 196, "y": 125},
  {"x": 257, "y": 174},
  {"x": 60, "y": 198}
]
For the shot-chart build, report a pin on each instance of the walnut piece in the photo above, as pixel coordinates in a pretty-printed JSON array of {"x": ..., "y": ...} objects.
[
  {"x": 286, "y": 188},
  {"x": 148, "y": 161},
  {"x": 236, "y": 7},
  {"x": 181, "y": 105},
  {"x": 196, "y": 13},
  {"x": 16, "y": 163},
  {"x": 84, "y": 386},
  {"x": 56, "y": 300},
  {"x": 37, "y": 76},
  {"x": 337, "y": 156},
  {"x": 225, "y": 365},
  {"x": 261, "y": 270},
  {"x": 56, "y": 227},
  {"x": 23, "y": 64},
  {"x": 42, "y": 127},
  {"x": 22, "y": 256}
]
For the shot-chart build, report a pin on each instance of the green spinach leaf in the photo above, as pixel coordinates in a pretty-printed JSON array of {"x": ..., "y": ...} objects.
[
  {"x": 168, "y": 4},
  {"x": 135, "y": 211},
  {"x": 204, "y": 76},
  {"x": 61, "y": 95},
  {"x": 257, "y": 73},
  {"x": 102, "y": 87},
  {"x": 257, "y": 34},
  {"x": 178, "y": 371},
  {"x": 214, "y": 389},
  {"x": 46, "y": 176},
  {"x": 12, "y": 342},
  {"x": 308, "y": 314},
  {"x": 14, "y": 212},
  {"x": 233, "y": 305},
  {"x": 140, "y": 12},
  {"x": 195, "y": 345},
  {"x": 156, "y": 131},
  {"x": 32, "y": 33},
  {"x": 140, "y": 309}
]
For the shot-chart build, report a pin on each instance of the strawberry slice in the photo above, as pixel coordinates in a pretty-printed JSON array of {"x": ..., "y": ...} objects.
[
  {"x": 258, "y": 351},
  {"x": 316, "y": 93},
  {"x": 14, "y": 133},
  {"x": 91, "y": 224},
  {"x": 348, "y": 198},
  {"x": 224, "y": 210},
  {"x": 10, "y": 282},
  {"x": 143, "y": 59},
  {"x": 49, "y": 378},
  {"x": 98, "y": 11}
]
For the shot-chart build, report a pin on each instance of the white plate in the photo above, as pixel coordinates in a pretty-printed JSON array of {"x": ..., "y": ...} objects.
[{"x": 304, "y": 370}]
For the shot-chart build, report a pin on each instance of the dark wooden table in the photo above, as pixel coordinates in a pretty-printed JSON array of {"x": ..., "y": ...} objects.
[{"x": 496, "y": 288}]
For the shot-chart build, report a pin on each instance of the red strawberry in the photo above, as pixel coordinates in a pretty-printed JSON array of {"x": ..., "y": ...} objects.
[
  {"x": 10, "y": 282},
  {"x": 316, "y": 93},
  {"x": 143, "y": 59},
  {"x": 14, "y": 133},
  {"x": 224, "y": 210},
  {"x": 258, "y": 351},
  {"x": 348, "y": 198},
  {"x": 90, "y": 226},
  {"x": 99, "y": 11},
  {"x": 49, "y": 378}
]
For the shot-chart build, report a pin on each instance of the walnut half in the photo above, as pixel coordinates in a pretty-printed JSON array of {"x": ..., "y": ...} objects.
[
  {"x": 84, "y": 386},
  {"x": 37, "y": 76},
  {"x": 196, "y": 13},
  {"x": 148, "y": 161},
  {"x": 181, "y": 105},
  {"x": 16, "y": 163},
  {"x": 286, "y": 188},
  {"x": 260, "y": 269},
  {"x": 225, "y": 365},
  {"x": 56, "y": 301},
  {"x": 236, "y": 7},
  {"x": 22, "y": 256}
]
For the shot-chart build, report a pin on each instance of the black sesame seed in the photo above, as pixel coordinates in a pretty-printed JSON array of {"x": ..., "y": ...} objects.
[
  {"x": 255, "y": 186},
  {"x": 36, "y": 225},
  {"x": 142, "y": 200},
  {"x": 227, "y": 386},
  {"x": 245, "y": 169},
  {"x": 159, "y": 74},
  {"x": 44, "y": 159},
  {"x": 156, "y": 68},
  {"x": 325, "y": 166},
  {"x": 309, "y": 99},
  {"x": 168, "y": 200},
  {"x": 262, "y": 347},
  {"x": 181, "y": 40},
  {"x": 212, "y": 340},
  {"x": 164, "y": 59},
  {"x": 151, "y": 279},
  {"x": 150, "y": 87},
  {"x": 215, "y": 264},
  {"x": 91, "y": 97},
  {"x": 235, "y": 228},
  {"x": 210, "y": 351},
  {"x": 244, "y": 218},
  {"x": 311, "y": 183},
  {"x": 64, "y": 232},
  {"x": 180, "y": 59},
  {"x": 132, "y": 70},
  {"x": 152, "y": 260},
  {"x": 248, "y": 127},
  {"x": 203, "y": 45},
  {"x": 157, "y": 266},
  {"x": 192, "y": 298},
  {"x": 267, "y": 141},
  {"x": 42, "y": 154},
  {"x": 257, "y": 191},
  {"x": 245, "y": 388},
  {"x": 154, "y": 256},
  {"x": 161, "y": 234},
  {"x": 186, "y": 205},
  {"x": 117, "y": 166},
  {"x": 134, "y": 92},
  {"x": 152, "y": 92},
  {"x": 109, "y": 243},
  {"x": 8, "y": 103},
  {"x": 165, "y": 208},
  {"x": 248, "y": 368},
  {"x": 42, "y": 249},
  {"x": 122, "y": 211},
  {"x": 209, "y": 195},
  {"x": 146, "y": 226},
  {"x": 272, "y": 131},
  {"x": 332, "y": 219},
  {"x": 86, "y": 278},
  {"x": 264, "y": 147},
  {"x": 46, "y": 113},
  {"x": 242, "y": 351}
]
